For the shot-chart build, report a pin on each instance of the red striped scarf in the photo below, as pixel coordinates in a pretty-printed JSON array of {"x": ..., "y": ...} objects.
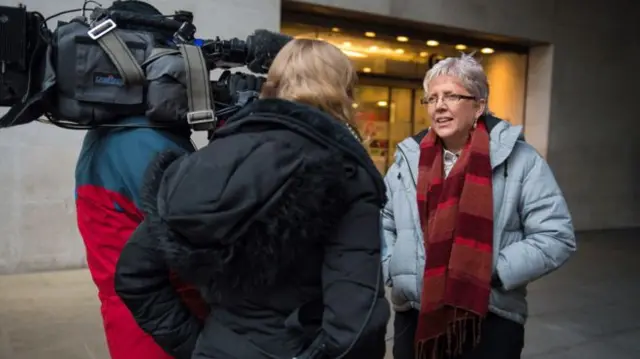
[{"x": 456, "y": 215}]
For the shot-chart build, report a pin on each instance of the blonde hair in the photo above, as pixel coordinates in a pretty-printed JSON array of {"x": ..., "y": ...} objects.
[{"x": 315, "y": 73}]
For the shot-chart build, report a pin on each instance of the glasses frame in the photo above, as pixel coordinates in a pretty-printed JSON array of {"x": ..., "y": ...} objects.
[{"x": 447, "y": 99}]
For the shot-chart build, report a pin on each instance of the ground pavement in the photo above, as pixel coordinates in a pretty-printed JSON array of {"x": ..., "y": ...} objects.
[{"x": 587, "y": 310}]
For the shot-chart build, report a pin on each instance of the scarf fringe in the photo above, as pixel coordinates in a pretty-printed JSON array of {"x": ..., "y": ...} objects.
[{"x": 451, "y": 344}]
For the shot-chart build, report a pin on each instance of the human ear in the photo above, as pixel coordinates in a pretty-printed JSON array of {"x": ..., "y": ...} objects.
[{"x": 481, "y": 107}]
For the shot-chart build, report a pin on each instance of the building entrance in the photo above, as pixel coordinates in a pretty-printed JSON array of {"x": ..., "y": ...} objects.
[
  {"x": 387, "y": 115},
  {"x": 391, "y": 64}
]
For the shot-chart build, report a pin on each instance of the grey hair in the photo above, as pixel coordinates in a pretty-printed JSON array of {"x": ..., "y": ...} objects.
[{"x": 468, "y": 70}]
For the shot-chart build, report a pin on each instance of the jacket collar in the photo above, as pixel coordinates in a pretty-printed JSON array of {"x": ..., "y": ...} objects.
[
  {"x": 502, "y": 136},
  {"x": 309, "y": 121}
]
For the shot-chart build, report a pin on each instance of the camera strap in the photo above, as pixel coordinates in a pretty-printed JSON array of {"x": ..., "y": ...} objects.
[
  {"x": 157, "y": 53},
  {"x": 118, "y": 52},
  {"x": 201, "y": 116}
]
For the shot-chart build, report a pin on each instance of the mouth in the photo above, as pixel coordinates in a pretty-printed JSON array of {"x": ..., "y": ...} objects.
[{"x": 442, "y": 120}]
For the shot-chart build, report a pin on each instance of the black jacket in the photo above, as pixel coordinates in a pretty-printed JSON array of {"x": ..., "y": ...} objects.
[{"x": 277, "y": 222}]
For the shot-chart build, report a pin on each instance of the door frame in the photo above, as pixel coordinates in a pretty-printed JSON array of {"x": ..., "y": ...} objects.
[{"x": 366, "y": 79}]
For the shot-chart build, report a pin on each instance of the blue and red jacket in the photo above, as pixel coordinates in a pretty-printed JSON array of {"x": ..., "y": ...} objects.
[{"x": 109, "y": 174}]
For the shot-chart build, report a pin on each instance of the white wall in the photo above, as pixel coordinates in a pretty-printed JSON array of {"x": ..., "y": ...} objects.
[{"x": 37, "y": 210}]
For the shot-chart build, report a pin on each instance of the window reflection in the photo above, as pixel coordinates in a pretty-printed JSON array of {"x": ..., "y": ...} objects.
[
  {"x": 372, "y": 117},
  {"x": 386, "y": 116},
  {"x": 421, "y": 117},
  {"x": 400, "y": 117}
]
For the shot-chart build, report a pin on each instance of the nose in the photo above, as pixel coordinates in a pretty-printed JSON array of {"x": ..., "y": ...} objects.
[{"x": 440, "y": 106}]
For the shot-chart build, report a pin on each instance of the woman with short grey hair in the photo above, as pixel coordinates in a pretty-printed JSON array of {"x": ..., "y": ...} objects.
[{"x": 474, "y": 215}]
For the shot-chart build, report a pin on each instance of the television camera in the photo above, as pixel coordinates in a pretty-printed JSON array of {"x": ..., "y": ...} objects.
[{"x": 90, "y": 72}]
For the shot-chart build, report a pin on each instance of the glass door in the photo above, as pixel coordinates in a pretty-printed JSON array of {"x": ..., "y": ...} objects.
[
  {"x": 386, "y": 115},
  {"x": 421, "y": 118},
  {"x": 372, "y": 117},
  {"x": 400, "y": 118}
]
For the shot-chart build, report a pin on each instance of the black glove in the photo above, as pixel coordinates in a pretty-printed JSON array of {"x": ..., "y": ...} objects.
[
  {"x": 240, "y": 88},
  {"x": 239, "y": 82},
  {"x": 237, "y": 89}
]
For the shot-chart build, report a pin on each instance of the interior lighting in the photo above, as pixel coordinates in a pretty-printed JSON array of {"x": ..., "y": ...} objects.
[{"x": 352, "y": 53}]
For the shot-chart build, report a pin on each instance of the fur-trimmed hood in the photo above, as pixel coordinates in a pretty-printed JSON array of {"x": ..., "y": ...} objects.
[
  {"x": 235, "y": 216},
  {"x": 311, "y": 122}
]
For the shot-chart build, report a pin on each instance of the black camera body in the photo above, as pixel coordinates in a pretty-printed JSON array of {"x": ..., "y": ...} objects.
[{"x": 21, "y": 46}]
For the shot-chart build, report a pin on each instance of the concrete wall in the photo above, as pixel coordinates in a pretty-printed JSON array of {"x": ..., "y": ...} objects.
[
  {"x": 37, "y": 210},
  {"x": 587, "y": 124}
]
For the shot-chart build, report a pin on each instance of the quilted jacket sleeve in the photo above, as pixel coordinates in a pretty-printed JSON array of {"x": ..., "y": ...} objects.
[
  {"x": 549, "y": 238},
  {"x": 143, "y": 283}
]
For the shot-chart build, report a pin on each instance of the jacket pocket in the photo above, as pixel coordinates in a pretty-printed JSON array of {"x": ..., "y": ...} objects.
[
  {"x": 398, "y": 295},
  {"x": 402, "y": 268}
]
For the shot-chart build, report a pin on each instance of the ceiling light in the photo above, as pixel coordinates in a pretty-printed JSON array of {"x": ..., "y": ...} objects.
[
  {"x": 370, "y": 34},
  {"x": 382, "y": 103},
  {"x": 354, "y": 105},
  {"x": 432, "y": 43},
  {"x": 351, "y": 53},
  {"x": 366, "y": 69},
  {"x": 424, "y": 54},
  {"x": 373, "y": 48},
  {"x": 487, "y": 50},
  {"x": 461, "y": 47},
  {"x": 399, "y": 51},
  {"x": 335, "y": 29},
  {"x": 402, "y": 38}
]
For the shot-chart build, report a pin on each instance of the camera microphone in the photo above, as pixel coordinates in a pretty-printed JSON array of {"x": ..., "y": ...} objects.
[{"x": 262, "y": 48}]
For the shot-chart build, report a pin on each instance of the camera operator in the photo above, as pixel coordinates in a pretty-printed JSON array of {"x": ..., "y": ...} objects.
[
  {"x": 108, "y": 177},
  {"x": 276, "y": 221}
]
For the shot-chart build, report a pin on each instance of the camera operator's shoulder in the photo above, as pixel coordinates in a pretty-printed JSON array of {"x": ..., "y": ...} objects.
[{"x": 139, "y": 146}]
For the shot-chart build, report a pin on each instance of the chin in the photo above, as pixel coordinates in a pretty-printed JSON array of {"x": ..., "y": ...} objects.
[{"x": 444, "y": 133}]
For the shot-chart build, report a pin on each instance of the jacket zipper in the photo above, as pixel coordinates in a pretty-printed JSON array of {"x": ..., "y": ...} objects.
[{"x": 406, "y": 159}]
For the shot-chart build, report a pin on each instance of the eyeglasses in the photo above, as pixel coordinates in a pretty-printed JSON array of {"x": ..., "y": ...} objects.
[{"x": 448, "y": 99}]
